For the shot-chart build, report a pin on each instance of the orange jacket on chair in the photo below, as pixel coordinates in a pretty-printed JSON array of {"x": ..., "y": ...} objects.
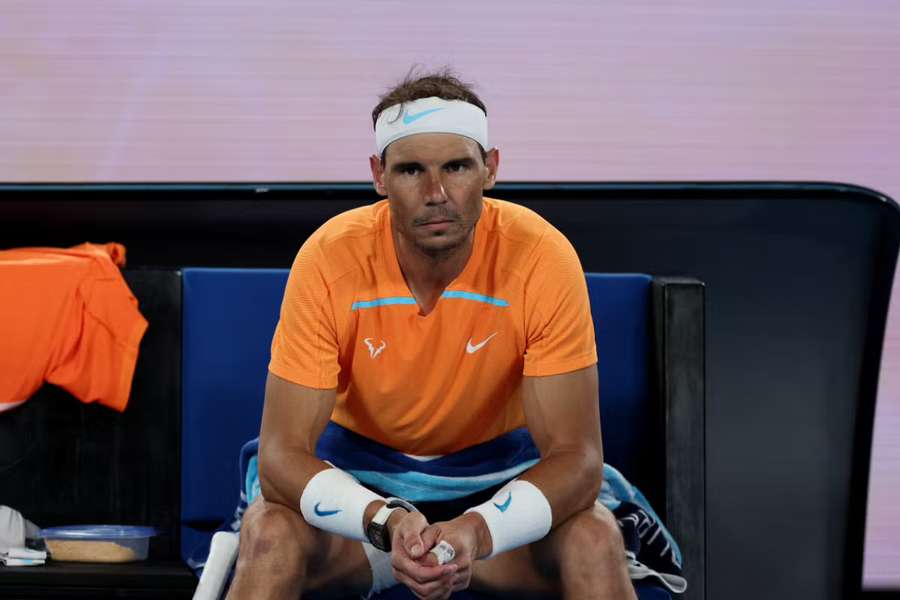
[{"x": 68, "y": 318}]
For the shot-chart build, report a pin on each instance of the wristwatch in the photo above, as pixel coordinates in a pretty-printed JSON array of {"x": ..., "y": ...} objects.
[{"x": 377, "y": 531}]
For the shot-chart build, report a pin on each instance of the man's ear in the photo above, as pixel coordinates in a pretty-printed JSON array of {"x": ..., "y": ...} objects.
[
  {"x": 377, "y": 174},
  {"x": 492, "y": 162}
]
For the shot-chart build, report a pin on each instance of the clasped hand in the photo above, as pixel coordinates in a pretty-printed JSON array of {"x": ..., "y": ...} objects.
[{"x": 417, "y": 568}]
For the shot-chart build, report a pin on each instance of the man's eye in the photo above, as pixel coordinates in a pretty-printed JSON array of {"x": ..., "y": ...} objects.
[
  {"x": 410, "y": 170},
  {"x": 456, "y": 167}
]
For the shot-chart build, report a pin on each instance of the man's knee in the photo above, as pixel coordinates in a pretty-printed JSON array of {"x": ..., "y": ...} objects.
[
  {"x": 592, "y": 534},
  {"x": 270, "y": 528}
]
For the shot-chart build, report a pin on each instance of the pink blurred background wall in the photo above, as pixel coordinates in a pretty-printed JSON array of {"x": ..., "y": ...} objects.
[{"x": 111, "y": 90}]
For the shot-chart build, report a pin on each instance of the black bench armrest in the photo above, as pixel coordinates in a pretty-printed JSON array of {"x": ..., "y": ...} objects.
[{"x": 679, "y": 331}]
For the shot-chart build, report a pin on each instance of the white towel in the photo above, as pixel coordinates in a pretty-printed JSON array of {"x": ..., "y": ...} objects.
[
  {"x": 223, "y": 552},
  {"x": 21, "y": 562},
  {"x": 25, "y": 553},
  {"x": 15, "y": 529}
]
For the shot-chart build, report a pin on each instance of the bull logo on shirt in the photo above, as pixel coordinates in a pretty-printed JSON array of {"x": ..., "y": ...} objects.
[{"x": 373, "y": 351}]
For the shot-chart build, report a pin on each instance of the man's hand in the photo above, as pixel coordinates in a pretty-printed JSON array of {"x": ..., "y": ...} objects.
[
  {"x": 411, "y": 539},
  {"x": 470, "y": 539}
]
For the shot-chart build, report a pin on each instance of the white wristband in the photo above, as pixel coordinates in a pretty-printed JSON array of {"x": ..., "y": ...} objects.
[
  {"x": 335, "y": 501},
  {"x": 518, "y": 514}
]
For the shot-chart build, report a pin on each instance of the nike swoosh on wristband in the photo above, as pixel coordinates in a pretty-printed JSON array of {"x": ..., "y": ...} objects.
[
  {"x": 408, "y": 118},
  {"x": 472, "y": 349},
  {"x": 324, "y": 513},
  {"x": 505, "y": 505}
]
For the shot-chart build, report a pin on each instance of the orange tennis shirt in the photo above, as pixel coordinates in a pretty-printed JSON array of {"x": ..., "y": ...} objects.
[
  {"x": 68, "y": 318},
  {"x": 436, "y": 383}
]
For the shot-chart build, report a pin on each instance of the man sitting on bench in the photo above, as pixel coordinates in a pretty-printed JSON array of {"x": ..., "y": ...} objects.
[{"x": 432, "y": 328}]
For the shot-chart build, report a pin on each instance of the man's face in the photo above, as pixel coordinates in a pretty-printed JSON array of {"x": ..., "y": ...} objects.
[{"x": 434, "y": 182}]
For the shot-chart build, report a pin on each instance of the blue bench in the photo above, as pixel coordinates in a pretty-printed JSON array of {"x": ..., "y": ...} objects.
[{"x": 229, "y": 316}]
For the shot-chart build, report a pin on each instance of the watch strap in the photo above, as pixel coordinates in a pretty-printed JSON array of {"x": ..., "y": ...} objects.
[
  {"x": 383, "y": 514},
  {"x": 393, "y": 502},
  {"x": 377, "y": 530}
]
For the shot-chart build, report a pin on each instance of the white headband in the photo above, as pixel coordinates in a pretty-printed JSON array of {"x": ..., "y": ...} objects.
[{"x": 430, "y": 115}]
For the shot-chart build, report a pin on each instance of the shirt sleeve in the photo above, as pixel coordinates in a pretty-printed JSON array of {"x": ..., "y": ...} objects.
[
  {"x": 305, "y": 345},
  {"x": 559, "y": 328}
]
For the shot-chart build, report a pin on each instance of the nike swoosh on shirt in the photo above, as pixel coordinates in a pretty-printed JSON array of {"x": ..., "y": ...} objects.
[
  {"x": 505, "y": 505},
  {"x": 324, "y": 513},
  {"x": 408, "y": 118},
  {"x": 472, "y": 349}
]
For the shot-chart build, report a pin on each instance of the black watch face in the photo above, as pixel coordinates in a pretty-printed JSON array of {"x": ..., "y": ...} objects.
[{"x": 378, "y": 537}]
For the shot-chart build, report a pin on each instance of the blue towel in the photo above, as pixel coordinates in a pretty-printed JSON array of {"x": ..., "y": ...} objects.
[{"x": 651, "y": 549}]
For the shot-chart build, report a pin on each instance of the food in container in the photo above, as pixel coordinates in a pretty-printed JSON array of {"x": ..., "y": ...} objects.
[{"x": 98, "y": 543}]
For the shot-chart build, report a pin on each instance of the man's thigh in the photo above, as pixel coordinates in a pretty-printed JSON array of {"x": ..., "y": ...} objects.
[
  {"x": 536, "y": 570},
  {"x": 334, "y": 565},
  {"x": 342, "y": 569},
  {"x": 526, "y": 572}
]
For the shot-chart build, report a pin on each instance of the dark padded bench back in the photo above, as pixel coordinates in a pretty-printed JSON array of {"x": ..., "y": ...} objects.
[{"x": 229, "y": 318}]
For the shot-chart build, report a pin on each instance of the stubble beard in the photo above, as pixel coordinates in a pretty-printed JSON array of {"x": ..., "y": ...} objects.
[{"x": 441, "y": 253}]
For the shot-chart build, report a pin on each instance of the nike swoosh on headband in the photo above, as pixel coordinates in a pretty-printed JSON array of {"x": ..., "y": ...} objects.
[
  {"x": 324, "y": 513},
  {"x": 408, "y": 118},
  {"x": 505, "y": 505}
]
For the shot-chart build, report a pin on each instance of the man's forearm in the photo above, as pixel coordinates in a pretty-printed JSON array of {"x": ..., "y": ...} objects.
[
  {"x": 570, "y": 480},
  {"x": 284, "y": 473},
  {"x": 563, "y": 483}
]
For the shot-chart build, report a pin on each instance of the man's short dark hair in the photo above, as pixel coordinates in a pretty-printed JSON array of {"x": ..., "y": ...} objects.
[{"x": 441, "y": 84}]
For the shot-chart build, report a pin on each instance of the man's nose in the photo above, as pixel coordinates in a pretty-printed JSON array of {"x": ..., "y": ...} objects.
[{"x": 434, "y": 191}]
